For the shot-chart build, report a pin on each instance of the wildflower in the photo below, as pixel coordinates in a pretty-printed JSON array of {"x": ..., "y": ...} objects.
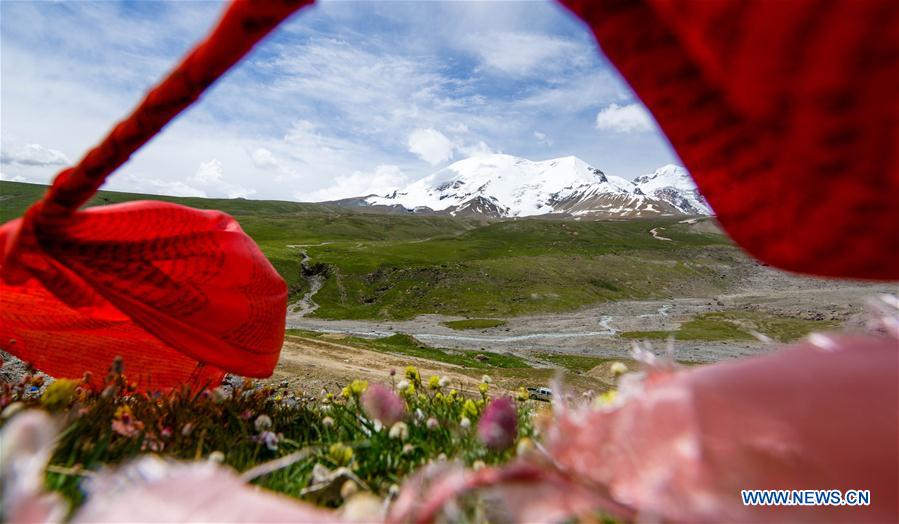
[
  {"x": 465, "y": 423},
  {"x": 382, "y": 404},
  {"x": 399, "y": 431},
  {"x": 187, "y": 429},
  {"x": 482, "y": 387},
  {"x": 441, "y": 457},
  {"x": 216, "y": 456},
  {"x": 358, "y": 387},
  {"x": 434, "y": 382},
  {"x": 262, "y": 423},
  {"x": 220, "y": 395},
  {"x": 392, "y": 372},
  {"x": 432, "y": 423},
  {"x": 605, "y": 399},
  {"x": 246, "y": 415},
  {"x": 469, "y": 408},
  {"x": 408, "y": 449},
  {"x": 486, "y": 379},
  {"x": 522, "y": 394},
  {"x": 413, "y": 375},
  {"x": 618, "y": 369},
  {"x": 59, "y": 394},
  {"x": 345, "y": 392},
  {"x": 269, "y": 439},
  {"x": 419, "y": 414},
  {"x": 498, "y": 426},
  {"x": 525, "y": 445},
  {"x": 393, "y": 491},
  {"x": 402, "y": 385},
  {"x": 340, "y": 453},
  {"x": 439, "y": 397},
  {"x": 124, "y": 423},
  {"x": 152, "y": 444},
  {"x": 166, "y": 433},
  {"x": 478, "y": 464},
  {"x": 328, "y": 422},
  {"x": 444, "y": 382}
]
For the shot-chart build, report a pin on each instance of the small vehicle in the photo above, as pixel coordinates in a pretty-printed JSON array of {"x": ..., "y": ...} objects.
[{"x": 544, "y": 394}]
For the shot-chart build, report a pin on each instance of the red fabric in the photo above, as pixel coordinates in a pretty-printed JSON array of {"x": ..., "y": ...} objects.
[
  {"x": 785, "y": 113},
  {"x": 166, "y": 287}
]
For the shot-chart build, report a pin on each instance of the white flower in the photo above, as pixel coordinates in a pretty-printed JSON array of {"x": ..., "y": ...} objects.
[
  {"x": 399, "y": 431},
  {"x": 402, "y": 385},
  {"x": 486, "y": 379},
  {"x": 465, "y": 423},
  {"x": 618, "y": 368},
  {"x": 327, "y": 422},
  {"x": 444, "y": 382},
  {"x": 432, "y": 423},
  {"x": 262, "y": 423}
]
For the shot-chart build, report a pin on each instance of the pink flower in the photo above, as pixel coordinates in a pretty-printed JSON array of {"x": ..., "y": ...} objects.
[
  {"x": 381, "y": 403},
  {"x": 498, "y": 426}
]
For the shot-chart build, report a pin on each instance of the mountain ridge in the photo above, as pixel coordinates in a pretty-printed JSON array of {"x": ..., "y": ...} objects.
[{"x": 506, "y": 186}]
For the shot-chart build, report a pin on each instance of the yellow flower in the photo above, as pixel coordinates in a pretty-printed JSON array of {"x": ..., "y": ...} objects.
[
  {"x": 345, "y": 392},
  {"x": 434, "y": 382},
  {"x": 469, "y": 408},
  {"x": 358, "y": 387},
  {"x": 438, "y": 396},
  {"x": 482, "y": 387},
  {"x": 606, "y": 399},
  {"x": 340, "y": 453},
  {"x": 413, "y": 374},
  {"x": 59, "y": 394},
  {"x": 522, "y": 394}
]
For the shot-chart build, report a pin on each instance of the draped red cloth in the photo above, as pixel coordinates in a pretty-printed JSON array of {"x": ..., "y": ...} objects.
[
  {"x": 182, "y": 295},
  {"x": 785, "y": 113}
]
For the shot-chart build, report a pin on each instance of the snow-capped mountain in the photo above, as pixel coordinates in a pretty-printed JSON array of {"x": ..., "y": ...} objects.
[
  {"x": 508, "y": 186},
  {"x": 673, "y": 184}
]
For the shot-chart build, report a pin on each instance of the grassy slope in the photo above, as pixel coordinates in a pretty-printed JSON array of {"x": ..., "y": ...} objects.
[
  {"x": 398, "y": 266},
  {"x": 474, "y": 323},
  {"x": 737, "y": 325}
]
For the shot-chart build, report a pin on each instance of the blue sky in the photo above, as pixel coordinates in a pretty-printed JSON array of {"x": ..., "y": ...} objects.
[{"x": 345, "y": 99}]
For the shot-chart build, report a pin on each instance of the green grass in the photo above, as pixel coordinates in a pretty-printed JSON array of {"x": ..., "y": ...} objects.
[
  {"x": 399, "y": 266},
  {"x": 576, "y": 363},
  {"x": 474, "y": 323},
  {"x": 737, "y": 325}
]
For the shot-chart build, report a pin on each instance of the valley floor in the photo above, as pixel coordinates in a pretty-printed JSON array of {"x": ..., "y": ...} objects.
[{"x": 608, "y": 330}]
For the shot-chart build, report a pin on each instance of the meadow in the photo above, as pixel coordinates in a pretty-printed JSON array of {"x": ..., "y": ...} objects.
[{"x": 396, "y": 266}]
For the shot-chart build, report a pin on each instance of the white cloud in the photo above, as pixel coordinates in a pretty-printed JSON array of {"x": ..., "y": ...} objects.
[
  {"x": 32, "y": 155},
  {"x": 383, "y": 180},
  {"x": 625, "y": 119},
  {"x": 431, "y": 145},
  {"x": 542, "y": 138},
  {"x": 525, "y": 53},
  {"x": 16, "y": 178},
  {"x": 264, "y": 159},
  {"x": 210, "y": 180}
]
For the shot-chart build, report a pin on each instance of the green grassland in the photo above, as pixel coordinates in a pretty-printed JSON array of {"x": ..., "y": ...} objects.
[
  {"x": 400, "y": 265},
  {"x": 474, "y": 323},
  {"x": 737, "y": 325}
]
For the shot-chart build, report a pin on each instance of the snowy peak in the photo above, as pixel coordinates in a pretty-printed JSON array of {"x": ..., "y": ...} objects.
[
  {"x": 674, "y": 185},
  {"x": 507, "y": 186}
]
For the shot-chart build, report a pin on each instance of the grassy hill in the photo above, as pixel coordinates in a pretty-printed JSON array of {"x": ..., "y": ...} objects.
[{"x": 398, "y": 266}]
